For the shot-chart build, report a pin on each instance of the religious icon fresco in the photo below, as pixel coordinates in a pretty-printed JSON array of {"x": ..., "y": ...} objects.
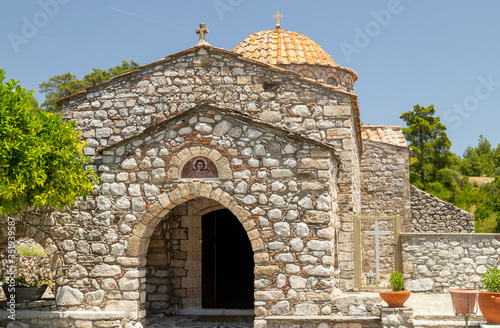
[{"x": 199, "y": 168}]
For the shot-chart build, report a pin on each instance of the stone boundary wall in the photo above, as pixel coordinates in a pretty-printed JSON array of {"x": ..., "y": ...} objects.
[
  {"x": 30, "y": 266},
  {"x": 55, "y": 319},
  {"x": 436, "y": 263},
  {"x": 430, "y": 214},
  {"x": 396, "y": 317}
]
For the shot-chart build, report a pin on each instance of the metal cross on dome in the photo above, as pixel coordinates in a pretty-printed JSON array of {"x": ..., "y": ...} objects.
[
  {"x": 278, "y": 16},
  {"x": 202, "y": 31}
]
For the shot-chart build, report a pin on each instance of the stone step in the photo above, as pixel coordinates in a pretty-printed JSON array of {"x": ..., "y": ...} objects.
[
  {"x": 446, "y": 321},
  {"x": 443, "y": 324},
  {"x": 322, "y": 321}
]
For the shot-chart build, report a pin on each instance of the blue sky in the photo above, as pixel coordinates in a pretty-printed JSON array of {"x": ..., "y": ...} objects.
[{"x": 405, "y": 52}]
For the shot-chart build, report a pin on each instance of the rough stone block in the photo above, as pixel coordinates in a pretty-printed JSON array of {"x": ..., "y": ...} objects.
[
  {"x": 67, "y": 296},
  {"x": 95, "y": 298},
  {"x": 105, "y": 270},
  {"x": 306, "y": 310}
]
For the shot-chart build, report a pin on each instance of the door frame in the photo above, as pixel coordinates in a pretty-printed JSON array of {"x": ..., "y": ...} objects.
[{"x": 396, "y": 225}]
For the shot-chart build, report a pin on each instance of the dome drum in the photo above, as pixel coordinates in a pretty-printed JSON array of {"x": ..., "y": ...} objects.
[{"x": 340, "y": 77}]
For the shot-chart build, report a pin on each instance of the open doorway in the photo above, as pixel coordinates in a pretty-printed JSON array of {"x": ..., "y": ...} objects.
[{"x": 227, "y": 263}]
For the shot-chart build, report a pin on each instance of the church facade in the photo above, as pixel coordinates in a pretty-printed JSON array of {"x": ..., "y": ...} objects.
[{"x": 228, "y": 180}]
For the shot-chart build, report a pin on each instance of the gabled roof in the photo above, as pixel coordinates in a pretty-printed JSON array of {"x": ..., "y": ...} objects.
[
  {"x": 210, "y": 48},
  {"x": 388, "y": 134},
  {"x": 230, "y": 112},
  {"x": 240, "y": 57}
]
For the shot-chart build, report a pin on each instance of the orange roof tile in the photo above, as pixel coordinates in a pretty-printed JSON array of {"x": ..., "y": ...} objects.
[
  {"x": 392, "y": 135},
  {"x": 283, "y": 47}
]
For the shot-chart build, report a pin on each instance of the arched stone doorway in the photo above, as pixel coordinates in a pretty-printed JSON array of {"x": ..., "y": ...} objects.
[{"x": 199, "y": 261}]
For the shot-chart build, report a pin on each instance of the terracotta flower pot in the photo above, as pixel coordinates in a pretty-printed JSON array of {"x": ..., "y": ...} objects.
[
  {"x": 395, "y": 299},
  {"x": 489, "y": 303},
  {"x": 461, "y": 297}
]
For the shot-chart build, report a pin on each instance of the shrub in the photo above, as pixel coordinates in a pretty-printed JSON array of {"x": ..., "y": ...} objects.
[
  {"x": 23, "y": 281},
  {"x": 396, "y": 280},
  {"x": 28, "y": 250},
  {"x": 491, "y": 280}
]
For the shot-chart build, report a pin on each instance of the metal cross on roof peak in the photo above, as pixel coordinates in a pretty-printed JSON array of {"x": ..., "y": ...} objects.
[
  {"x": 202, "y": 31},
  {"x": 278, "y": 16}
]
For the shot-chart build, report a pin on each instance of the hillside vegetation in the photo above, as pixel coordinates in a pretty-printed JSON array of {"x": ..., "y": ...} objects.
[{"x": 435, "y": 169}]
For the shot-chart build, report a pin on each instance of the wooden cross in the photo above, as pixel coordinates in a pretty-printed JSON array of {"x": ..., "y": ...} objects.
[
  {"x": 377, "y": 233},
  {"x": 202, "y": 31},
  {"x": 278, "y": 16}
]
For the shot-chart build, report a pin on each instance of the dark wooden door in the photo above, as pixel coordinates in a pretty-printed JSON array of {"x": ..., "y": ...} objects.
[{"x": 227, "y": 263}]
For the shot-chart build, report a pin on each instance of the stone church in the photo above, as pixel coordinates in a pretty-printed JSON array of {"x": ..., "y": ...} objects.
[{"x": 231, "y": 181}]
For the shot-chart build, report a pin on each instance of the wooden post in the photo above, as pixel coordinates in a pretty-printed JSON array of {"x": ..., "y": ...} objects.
[{"x": 18, "y": 266}]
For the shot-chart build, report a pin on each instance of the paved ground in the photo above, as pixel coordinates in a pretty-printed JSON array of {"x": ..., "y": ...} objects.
[
  {"x": 188, "y": 321},
  {"x": 425, "y": 306},
  {"x": 431, "y": 304}
]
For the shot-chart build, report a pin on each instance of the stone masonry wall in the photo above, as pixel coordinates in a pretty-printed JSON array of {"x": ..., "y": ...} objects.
[
  {"x": 385, "y": 182},
  {"x": 128, "y": 104},
  {"x": 349, "y": 203},
  {"x": 340, "y": 77},
  {"x": 385, "y": 191},
  {"x": 159, "y": 283},
  {"x": 283, "y": 183},
  {"x": 431, "y": 214},
  {"x": 280, "y": 186},
  {"x": 437, "y": 262},
  {"x": 288, "y": 192}
]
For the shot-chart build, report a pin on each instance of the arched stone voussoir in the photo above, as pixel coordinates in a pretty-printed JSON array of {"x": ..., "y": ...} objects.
[
  {"x": 194, "y": 187},
  {"x": 185, "y": 191},
  {"x": 224, "y": 167},
  {"x": 173, "y": 172},
  {"x": 137, "y": 246},
  {"x": 175, "y": 196},
  {"x": 155, "y": 210},
  {"x": 144, "y": 227},
  {"x": 49, "y": 246},
  {"x": 37, "y": 226},
  {"x": 235, "y": 208}
]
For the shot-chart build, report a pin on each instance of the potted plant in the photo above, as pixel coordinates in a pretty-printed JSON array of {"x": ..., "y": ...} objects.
[
  {"x": 397, "y": 297},
  {"x": 29, "y": 287},
  {"x": 464, "y": 300},
  {"x": 22, "y": 290},
  {"x": 489, "y": 301}
]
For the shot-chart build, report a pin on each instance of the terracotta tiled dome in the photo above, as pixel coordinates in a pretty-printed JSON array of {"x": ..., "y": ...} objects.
[{"x": 283, "y": 47}]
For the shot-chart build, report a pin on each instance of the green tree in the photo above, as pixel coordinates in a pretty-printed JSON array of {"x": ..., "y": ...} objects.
[
  {"x": 41, "y": 159},
  {"x": 480, "y": 160},
  {"x": 62, "y": 86},
  {"x": 430, "y": 147},
  {"x": 123, "y": 68},
  {"x": 59, "y": 87},
  {"x": 98, "y": 75}
]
